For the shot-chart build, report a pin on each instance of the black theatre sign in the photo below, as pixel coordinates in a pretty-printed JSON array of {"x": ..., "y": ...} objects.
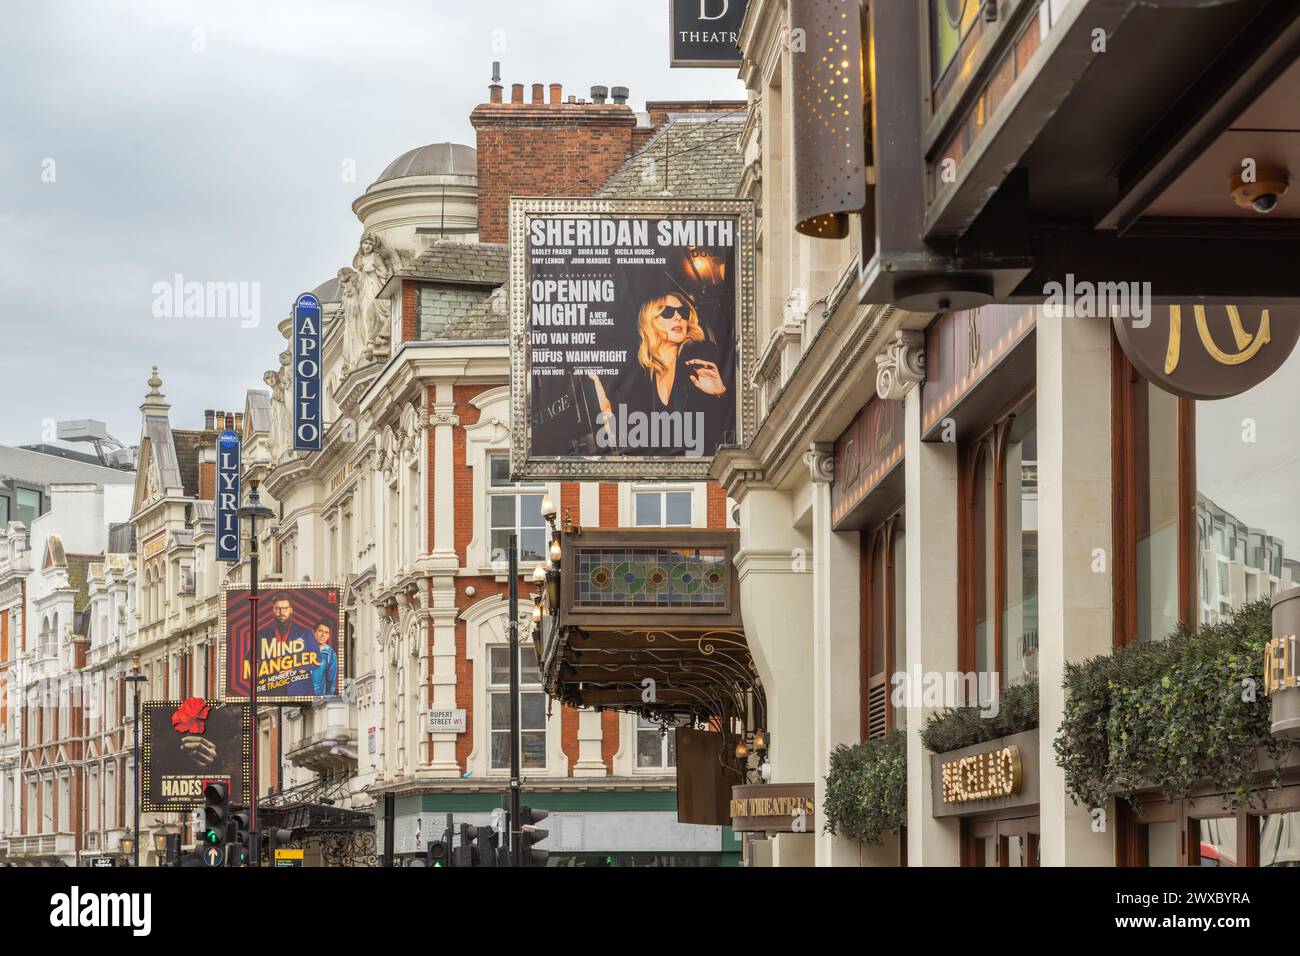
[{"x": 706, "y": 32}]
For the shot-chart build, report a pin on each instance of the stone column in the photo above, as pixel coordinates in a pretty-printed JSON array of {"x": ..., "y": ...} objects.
[
  {"x": 590, "y": 763},
  {"x": 836, "y": 630},
  {"x": 931, "y": 527},
  {"x": 774, "y": 566},
  {"x": 1074, "y": 556}
]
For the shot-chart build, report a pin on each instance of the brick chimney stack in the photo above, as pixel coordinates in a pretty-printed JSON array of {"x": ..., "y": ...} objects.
[{"x": 545, "y": 147}]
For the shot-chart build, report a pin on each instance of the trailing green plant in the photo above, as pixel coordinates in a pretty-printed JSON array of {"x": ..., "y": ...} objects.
[
  {"x": 1172, "y": 713},
  {"x": 959, "y": 727},
  {"x": 866, "y": 789}
]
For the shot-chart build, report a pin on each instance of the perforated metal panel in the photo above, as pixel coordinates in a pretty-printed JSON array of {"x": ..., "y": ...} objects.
[{"x": 829, "y": 124}]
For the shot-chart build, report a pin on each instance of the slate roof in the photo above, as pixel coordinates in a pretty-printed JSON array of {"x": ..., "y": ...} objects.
[
  {"x": 467, "y": 263},
  {"x": 695, "y": 155},
  {"x": 163, "y": 451},
  {"x": 187, "y": 459},
  {"x": 488, "y": 319}
]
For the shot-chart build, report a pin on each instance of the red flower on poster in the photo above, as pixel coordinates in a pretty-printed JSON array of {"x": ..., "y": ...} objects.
[{"x": 189, "y": 716}]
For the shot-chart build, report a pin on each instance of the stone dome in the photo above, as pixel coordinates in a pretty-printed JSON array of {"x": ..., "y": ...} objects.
[{"x": 435, "y": 159}]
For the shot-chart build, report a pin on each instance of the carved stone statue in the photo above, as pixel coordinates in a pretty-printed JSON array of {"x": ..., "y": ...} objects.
[
  {"x": 375, "y": 264},
  {"x": 354, "y": 332},
  {"x": 281, "y": 422}
]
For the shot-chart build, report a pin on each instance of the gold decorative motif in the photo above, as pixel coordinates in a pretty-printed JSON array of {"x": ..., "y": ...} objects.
[{"x": 1248, "y": 345}]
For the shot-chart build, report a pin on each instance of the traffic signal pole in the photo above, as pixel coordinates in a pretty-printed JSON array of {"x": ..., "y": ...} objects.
[{"x": 513, "y": 823}]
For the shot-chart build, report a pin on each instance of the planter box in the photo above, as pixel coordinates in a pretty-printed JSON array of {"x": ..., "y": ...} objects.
[{"x": 996, "y": 775}]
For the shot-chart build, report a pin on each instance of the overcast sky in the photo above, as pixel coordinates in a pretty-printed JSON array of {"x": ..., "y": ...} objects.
[{"x": 210, "y": 140}]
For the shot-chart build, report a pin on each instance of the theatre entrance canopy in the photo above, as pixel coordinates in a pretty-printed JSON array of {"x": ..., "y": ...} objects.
[{"x": 648, "y": 621}]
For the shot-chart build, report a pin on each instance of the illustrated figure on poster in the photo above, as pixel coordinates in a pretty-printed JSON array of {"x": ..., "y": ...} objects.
[
  {"x": 673, "y": 370},
  {"x": 325, "y": 677},
  {"x": 285, "y": 633},
  {"x": 190, "y": 721}
]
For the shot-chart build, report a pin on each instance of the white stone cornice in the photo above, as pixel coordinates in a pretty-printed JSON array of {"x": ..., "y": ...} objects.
[{"x": 901, "y": 365}]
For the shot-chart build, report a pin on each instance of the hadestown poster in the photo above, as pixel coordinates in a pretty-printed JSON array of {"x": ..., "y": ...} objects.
[{"x": 633, "y": 321}]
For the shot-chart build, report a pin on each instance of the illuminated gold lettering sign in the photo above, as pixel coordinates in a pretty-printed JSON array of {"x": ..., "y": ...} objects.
[
  {"x": 1232, "y": 349},
  {"x": 983, "y": 776}
]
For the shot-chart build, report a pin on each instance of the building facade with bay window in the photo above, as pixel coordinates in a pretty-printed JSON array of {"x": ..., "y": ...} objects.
[
  {"x": 964, "y": 482},
  {"x": 410, "y": 504}
]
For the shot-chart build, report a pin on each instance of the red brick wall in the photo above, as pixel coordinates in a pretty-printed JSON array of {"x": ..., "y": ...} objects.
[
  {"x": 571, "y": 502},
  {"x": 609, "y": 739},
  {"x": 409, "y": 297},
  {"x": 569, "y": 734},
  {"x": 717, "y": 506},
  {"x": 529, "y": 149},
  {"x": 207, "y": 480},
  {"x": 609, "y": 505}
]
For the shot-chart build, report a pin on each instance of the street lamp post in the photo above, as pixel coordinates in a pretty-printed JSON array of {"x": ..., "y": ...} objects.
[
  {"x": 135, "y": 676},
  {"x": 253, "y": 510}
]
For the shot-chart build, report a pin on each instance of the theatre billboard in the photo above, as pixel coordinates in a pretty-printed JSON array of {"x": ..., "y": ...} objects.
[
  {"x": 300, "y": 648},
  {"x": 188, "y": 744},
  {"x": 631, "y": 332}
]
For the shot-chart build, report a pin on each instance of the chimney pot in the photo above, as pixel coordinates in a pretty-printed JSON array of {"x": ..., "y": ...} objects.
[
  {"x": 599, "y": 94},
  {"x": 209, "y": 419},
  {"x": 620, "y": 95},
  {"x": 557, "y": 94},
  {"x": 572, "y": 98},
  {"x": 494, "y": 93},
  {"x": 516, "y": 93},
  {"x": 538, "y": 96}
]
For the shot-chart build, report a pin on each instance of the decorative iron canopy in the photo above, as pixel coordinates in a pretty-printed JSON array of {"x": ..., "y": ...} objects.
[{"x": 648, "y": 621}]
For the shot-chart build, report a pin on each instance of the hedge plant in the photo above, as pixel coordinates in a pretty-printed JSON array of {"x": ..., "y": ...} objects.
[
  {"x": 866, "y": 789},
  {"x": 1171, "y": 714},
  {"x": 959, "y": 727}
]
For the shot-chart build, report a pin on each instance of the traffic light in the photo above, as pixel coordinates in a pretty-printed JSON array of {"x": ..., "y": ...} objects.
[
  {"x": 240, "y": 850},
  {"x": 466, "y": 854},
  {"x": 486, "y": 849},
  {"x": 530, "y": 834},
  {"x": 216, "y": 815},
  {"x": 272, "y": 839},
  {"x": 438, "y": 852}
]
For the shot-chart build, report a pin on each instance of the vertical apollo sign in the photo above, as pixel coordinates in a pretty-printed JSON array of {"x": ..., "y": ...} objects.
[
  {"x": 306, "y": 374},
  {"x": 227, "y": 503}
]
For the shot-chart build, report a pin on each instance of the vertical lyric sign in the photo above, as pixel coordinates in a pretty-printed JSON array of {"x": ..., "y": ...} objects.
[
  {"x": 633, "y": 321},
  {"x": 307, "y": 374},
  {"x": 227, "y": 503}
]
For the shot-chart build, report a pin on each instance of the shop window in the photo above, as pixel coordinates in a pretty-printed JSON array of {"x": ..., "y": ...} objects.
[
  {"x": 514, "y": 508},
  {"x": 1154, "y": 510},
  {"x": 661, "y": 508},
  {"x": 998, "y": 549},
  {"x": 1278, "y": 836},
  {"x": 1247, "y": 512},
  {"x": 28, "y": 502},
  {"x": 532, "y": 708},
  {"x": 883, "y": 625},
  {"x": 656, "y": 748}
]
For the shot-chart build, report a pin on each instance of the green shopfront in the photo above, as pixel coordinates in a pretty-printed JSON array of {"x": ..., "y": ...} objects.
[{"x": 592, "y": 827}]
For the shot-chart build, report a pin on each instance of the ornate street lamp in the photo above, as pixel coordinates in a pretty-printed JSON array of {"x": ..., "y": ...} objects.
[
  {"x": 134, "y": 676},
  {"x": 253, "y": 510}
]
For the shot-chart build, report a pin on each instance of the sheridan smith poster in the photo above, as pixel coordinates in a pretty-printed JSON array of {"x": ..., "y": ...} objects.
[
  {"x": 300, "y": 643},
  {"x": 631, "y": 332}
]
